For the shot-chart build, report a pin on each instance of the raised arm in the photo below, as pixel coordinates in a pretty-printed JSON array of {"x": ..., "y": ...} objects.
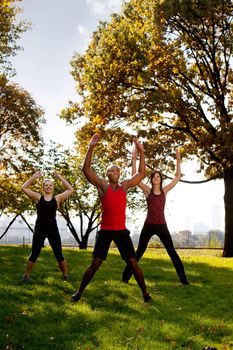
[
  {"x": 141, "y": 185},
  {"x": 177, "y": 175},
  {"x": 88, "y": 171},
  {"x": 134, "y": 160},
  {"x": 69, "y": 189},
  {"x": 32, "y": 194},
  {"x": 139, "y": 175}
]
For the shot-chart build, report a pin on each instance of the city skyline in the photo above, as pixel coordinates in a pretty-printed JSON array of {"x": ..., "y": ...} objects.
[{"x": 20, "y": 230}]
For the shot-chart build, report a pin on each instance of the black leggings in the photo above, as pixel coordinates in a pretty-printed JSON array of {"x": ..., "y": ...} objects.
[
  {"x": 163, "y": 233},
  {"x": 38, "y": 242}
]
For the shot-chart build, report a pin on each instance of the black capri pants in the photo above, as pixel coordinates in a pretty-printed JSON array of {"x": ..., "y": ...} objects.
[
  {"x": 38, "y": 242},
  {"x": 163, "y": 233}
]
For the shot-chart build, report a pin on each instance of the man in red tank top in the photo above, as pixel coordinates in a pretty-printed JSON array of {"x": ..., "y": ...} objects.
[{"x": 112, "y": 195}]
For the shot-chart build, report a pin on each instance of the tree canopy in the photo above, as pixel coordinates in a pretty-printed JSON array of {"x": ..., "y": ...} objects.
[
  {"x": 20, "y": 127},
  {"x": 20, "y": 116},
  {"x": 10, "y": 32},
  {"x": 162, "y": 70}
]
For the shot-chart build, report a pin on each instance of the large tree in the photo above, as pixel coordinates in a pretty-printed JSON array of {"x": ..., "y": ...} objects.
[
  {"x": 10, "y": 31},
  {"x": 21, "y": 121},
  {"x": 163, "y": 70},
  {"x": 21, "y": 118}
]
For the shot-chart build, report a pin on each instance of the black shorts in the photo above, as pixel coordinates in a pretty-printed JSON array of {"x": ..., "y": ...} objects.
[{"x": 120, "y": 237}]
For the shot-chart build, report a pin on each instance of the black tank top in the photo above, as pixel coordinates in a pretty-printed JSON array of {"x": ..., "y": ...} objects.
[{"x": 46, "y": 214}]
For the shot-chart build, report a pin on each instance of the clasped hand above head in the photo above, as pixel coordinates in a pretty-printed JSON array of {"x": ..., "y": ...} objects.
[
  {"x": 138, "y": 145},
  {"x": 137, "y": 148},
  {"x": 94, "y": 140}
]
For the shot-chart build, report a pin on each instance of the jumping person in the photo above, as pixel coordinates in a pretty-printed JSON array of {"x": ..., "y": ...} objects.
[
  {"x": 155, "y": 223},
  {"x": 112, "y": 195},
  {"x": 46, "y": 224}
]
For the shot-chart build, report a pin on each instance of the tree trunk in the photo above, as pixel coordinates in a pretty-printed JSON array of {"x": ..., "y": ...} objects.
[
  {"x": 28, "y": 225},
  {"x": 12, "y": 221},
  {"x": 73, "y": 231},
  {"x": 83, "y": 243},
  {"x": 228, "y": 201},
  {"x": 70, "y": 226}
]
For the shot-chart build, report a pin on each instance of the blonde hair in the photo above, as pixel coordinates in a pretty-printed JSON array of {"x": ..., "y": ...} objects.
[{"x": 45, "y": 180}]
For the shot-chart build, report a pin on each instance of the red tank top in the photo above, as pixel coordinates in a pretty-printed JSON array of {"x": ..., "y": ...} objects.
[
  {"x": 155, "y": 206},
  {"x": 113, "y": 206}
]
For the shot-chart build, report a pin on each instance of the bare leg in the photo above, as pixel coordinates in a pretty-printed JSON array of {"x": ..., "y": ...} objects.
[
  {"x": 87, "y": 277},
  {"x": 63, "y": 267},
  {"x": 139, "y": 276},
  {"x": 29, "y": 267},
  {"x": 145, "y": 236}
]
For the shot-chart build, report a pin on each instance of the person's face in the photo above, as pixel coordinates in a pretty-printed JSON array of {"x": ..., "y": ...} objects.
[
  {"x": 156, "y": 180},
  {"x": 113, "y": 174},
  {"x": 48, "y": 186}
]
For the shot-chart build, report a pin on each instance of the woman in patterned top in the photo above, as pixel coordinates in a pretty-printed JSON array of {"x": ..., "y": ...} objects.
[{"x": 155, "y": 223}]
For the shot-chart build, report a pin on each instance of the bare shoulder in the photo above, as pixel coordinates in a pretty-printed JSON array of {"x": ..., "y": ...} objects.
[
  {"x": 125, "y": 184},
  {"x": 165, "y": 190},
  {"x": 146, "y": 190},
  {"x": 37, "y": 198},
  {"x": 102, "y": 188}
]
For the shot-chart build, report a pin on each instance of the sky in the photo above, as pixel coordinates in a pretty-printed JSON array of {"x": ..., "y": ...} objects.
[{"x": 59, "y": 29}]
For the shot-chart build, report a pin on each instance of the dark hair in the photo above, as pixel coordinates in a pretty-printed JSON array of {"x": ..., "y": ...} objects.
[{"x": 161, "y": 177}]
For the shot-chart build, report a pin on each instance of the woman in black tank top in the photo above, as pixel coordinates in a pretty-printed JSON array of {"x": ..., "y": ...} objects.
[{"x": 46, "y": 224}]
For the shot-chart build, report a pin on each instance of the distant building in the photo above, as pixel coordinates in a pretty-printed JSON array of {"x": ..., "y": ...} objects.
[
  {"x": 182, "y": 238},
  {"x": 200, "y": 228}
]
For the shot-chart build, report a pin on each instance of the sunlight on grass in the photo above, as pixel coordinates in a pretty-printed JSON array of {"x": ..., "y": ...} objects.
[{"x": 112, "y": 314}]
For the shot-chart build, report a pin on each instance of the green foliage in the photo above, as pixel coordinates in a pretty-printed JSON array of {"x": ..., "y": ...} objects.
[
  {"x": 161, "y": 70},
  {"x": 13, "y": 200},
  {"x": 20, "y": 117},
  {"x": 20, "y": 128},
  {"x": 112, "y": 315},
  {"x": 10, "y": 32}
]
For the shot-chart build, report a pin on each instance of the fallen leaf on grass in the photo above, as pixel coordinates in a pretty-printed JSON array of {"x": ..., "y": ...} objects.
[
  {"x": 9, "y": 318},
  {"x": 141, "y": 329}
]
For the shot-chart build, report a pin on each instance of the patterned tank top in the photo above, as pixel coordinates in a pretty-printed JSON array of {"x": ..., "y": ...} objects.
[
  {"x": 155, "y": 206},
  {"x": 113, "y": 206}
]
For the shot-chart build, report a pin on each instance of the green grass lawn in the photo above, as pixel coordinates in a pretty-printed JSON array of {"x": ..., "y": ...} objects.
[{"x": 111, "y": 314}]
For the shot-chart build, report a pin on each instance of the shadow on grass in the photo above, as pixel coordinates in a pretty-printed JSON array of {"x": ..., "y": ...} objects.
[{"x": 111, "y": 314}]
